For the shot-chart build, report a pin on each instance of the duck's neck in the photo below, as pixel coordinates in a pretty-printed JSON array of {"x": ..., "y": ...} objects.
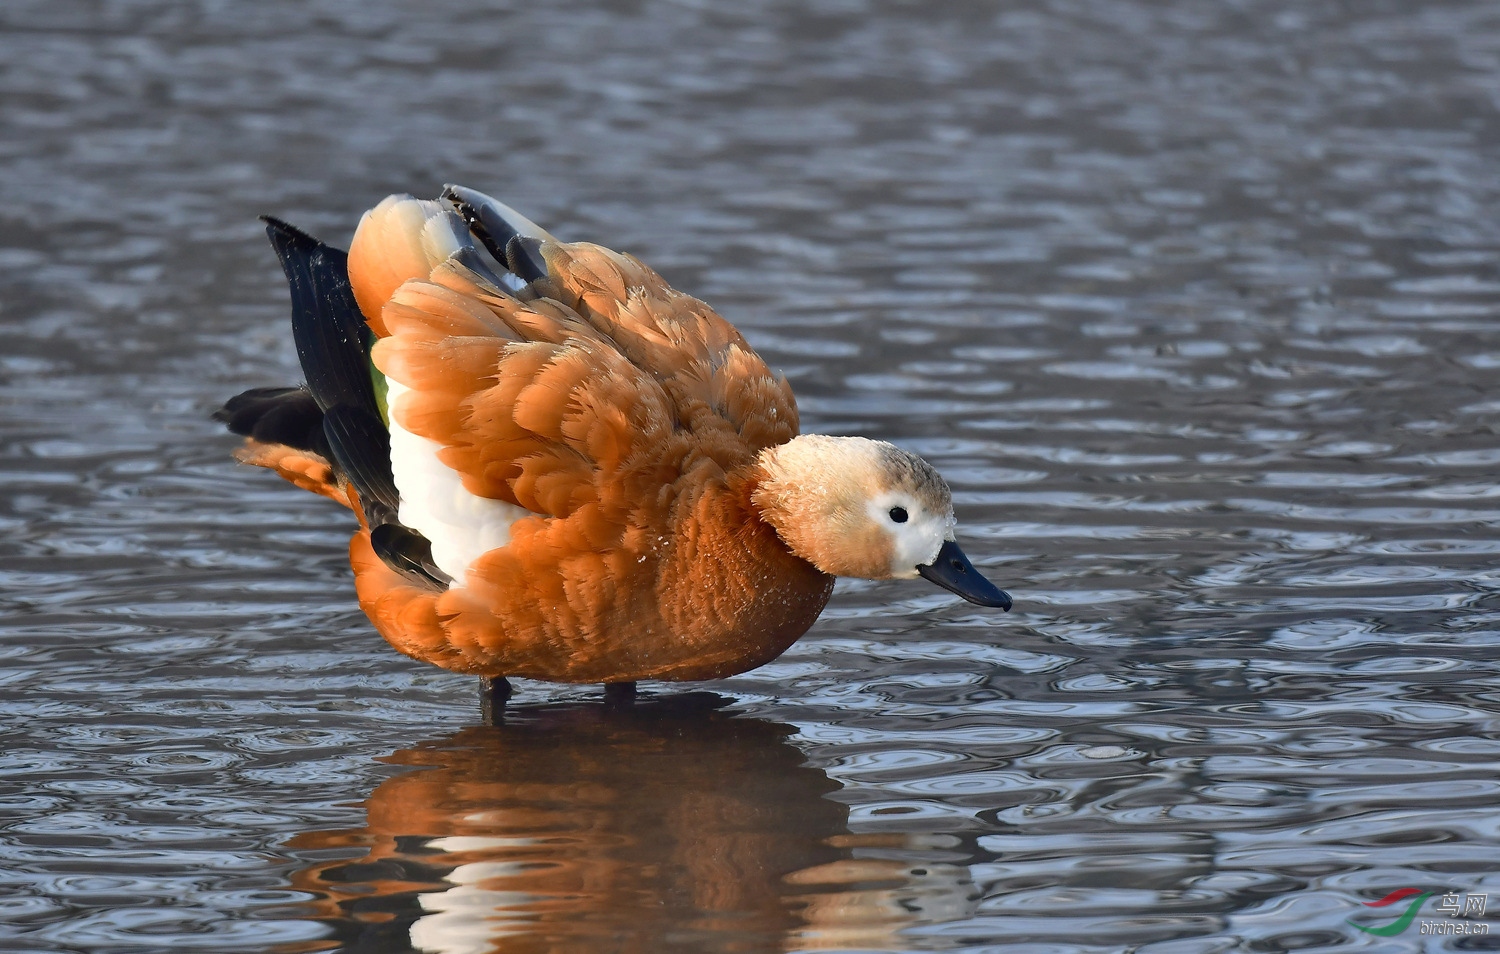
[{"x": 806, "y": 490}]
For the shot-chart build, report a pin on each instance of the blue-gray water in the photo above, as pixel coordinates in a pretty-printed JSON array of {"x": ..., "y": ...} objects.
[{"x": 1193, "y": 302}]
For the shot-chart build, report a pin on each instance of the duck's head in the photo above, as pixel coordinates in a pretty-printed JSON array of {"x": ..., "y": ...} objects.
[{"x": 856, "y": 507}]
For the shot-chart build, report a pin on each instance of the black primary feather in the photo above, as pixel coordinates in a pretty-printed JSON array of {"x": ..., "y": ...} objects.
[
  {"x": 490, "y": 229},
  {"x": 333, "y": 341},
  {"x": 485, "y": 267},
  {"x": 337, "y": 415},
  {"x": 511, "y": 245},
  {"x": 409, "y": 553},
  {"x": 361, "y": 447},
  {"x": 523, "y": 255}
]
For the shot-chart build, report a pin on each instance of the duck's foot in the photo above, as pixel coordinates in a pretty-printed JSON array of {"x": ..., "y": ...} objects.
[
  {"x": 493, "y": 692},
  {"x": 619, "y": 693}
]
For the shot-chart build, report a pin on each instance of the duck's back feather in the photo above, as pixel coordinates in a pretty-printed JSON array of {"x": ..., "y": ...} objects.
[{"x": 609, "y": 380}]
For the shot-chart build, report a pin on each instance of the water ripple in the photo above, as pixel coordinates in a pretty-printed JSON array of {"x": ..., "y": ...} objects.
[{"x": 1193, "y": 304}]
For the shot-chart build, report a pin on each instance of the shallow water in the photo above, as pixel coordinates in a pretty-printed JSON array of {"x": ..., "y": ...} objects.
[{"x": 1194, "y": 304}]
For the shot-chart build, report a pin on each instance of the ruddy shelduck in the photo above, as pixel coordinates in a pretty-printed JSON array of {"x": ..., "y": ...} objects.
[{"x": 564, "y": 469}]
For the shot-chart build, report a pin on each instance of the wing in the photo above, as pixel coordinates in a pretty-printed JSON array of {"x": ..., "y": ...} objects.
[
  {"x": 715, "y": 380},
  {"x": 526, "y": 403},
  {"x": 588, "y": 385},
  {"x": 330, "y": 437}
]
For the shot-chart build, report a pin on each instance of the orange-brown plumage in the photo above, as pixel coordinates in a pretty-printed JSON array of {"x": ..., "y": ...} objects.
[
  {"x": 302, "y": 468},
  {"x": 614, "y": 442},
  {"x": 644, "y": 558}
]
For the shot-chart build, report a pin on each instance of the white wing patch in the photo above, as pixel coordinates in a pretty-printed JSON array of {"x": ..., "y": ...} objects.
[{"x": 461, "y": 526}]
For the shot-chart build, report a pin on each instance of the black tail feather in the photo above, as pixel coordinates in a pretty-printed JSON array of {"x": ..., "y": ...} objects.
[{"x": 287, "y": 416}]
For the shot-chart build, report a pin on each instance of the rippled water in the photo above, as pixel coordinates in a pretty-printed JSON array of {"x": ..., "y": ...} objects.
[{"x": 1194, "y": 303}]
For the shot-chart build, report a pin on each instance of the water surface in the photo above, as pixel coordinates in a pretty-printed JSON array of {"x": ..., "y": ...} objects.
[{"x": 1193, "y": 303}]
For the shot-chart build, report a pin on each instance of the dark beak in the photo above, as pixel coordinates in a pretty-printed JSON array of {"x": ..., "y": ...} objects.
[{"x": 953, "y": 571}]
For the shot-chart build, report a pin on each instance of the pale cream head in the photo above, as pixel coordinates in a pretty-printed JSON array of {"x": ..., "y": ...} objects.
[{"x": 855, "y": 507}]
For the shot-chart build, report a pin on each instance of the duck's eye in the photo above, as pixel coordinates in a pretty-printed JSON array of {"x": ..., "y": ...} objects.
[{"x": 898, "y": 514}]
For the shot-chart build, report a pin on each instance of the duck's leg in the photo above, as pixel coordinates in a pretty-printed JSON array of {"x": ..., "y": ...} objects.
[
  {"x": 493, "y": 692},
  {"x": 619, "y": 693}
]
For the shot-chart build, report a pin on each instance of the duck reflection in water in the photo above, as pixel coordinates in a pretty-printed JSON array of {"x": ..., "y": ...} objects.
[{"x": 663, "y": 825}]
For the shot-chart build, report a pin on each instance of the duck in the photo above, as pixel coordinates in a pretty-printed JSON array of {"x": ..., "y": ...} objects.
[{"x": 564, "y": 469}]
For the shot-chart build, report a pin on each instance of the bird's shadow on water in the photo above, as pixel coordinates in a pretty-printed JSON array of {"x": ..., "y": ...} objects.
[{"x": 668, "y": 823}]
